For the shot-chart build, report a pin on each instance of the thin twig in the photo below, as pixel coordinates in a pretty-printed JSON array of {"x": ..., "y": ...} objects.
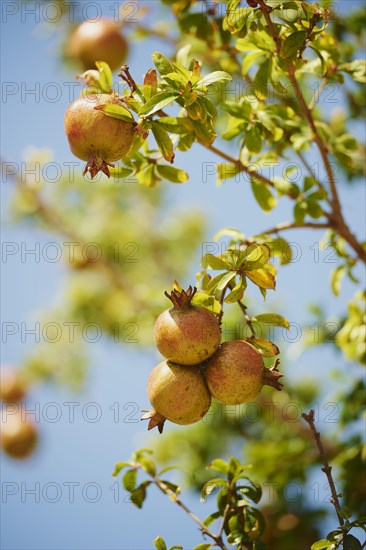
[
  {"x": 318, "y": 93},
  {"x": 287, "y": 225},
  {"x": 309, "y": 418},
  {"x": 244, "y": 308},
  {"x": 165, "y": 489}
]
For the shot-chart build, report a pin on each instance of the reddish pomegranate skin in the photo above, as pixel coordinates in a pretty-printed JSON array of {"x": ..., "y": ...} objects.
[
  {"x": 178, "y": 393},
  {"x": 95, "y": 41},
  {"x": 95, "y": 137},
  {"x": 186, "y": 334},
  {"x": 236, "y": 373},
  {"x": 18, "y": 436}
]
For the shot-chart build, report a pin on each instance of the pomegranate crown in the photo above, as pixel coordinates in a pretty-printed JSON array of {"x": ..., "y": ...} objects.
[{"x": 181, "y": 299}]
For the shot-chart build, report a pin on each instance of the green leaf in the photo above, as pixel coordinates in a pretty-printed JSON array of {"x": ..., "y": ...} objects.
[
  {"x": 211, "y": 518},
  {"x": 237, "y": 292},
  {"x": 292, "y": 44},
  {"x": 105, "y": 76},
  {"x": 281, "y": 248},
  {"x": 209, "y": 302},
  {"x": 210, "y": 486},
  {"x": 169, "y": 468},
  {"x": 216, "y": 76},
  {"x": 175, "y": 125},
  {"x": 229, "y": 232},
  {"x": 219, "y": 465},
  {"x": 272, "y": 319},
  {"x": 146, "y": 176},
  {"x": 351, "y": 543},
  {"x": 172, "y": 486},
  {"x": 161, "y": 63},
  {"x": 185, "y": 142},
  {"x": 159, "y": 543},
  {"x": 138, "y": 495},
  {"x": 320, "y": 544},
  {"x": 129, "y": 480},
  {"x": 119, "y": 466},
  {"x": 336, "y": 279},
  {"x": 115, "y": 111},
  {"x": 203, "y": 546},
  {"x": 253, "y": 140},
  {"x": 356, "y": 69},
  {"x": 266, "y": 347},
  {"x": 148, "y": 465},
  {"x": 175, "y": 175},
  {"x": 225, "y": 280},
  {"x": 262, "y": 195},
  {"x": 164, "y": 142},
  {"x": 204, "y": 132},
  {"x": 300, "y": 211},
  {"x": 121, "y": 172},
  {"x": 210, "y": 261},
  {"x": 262, "y": 278},
  {"x": 158, "y": 102},
  {"x": 176, "y": 547}
]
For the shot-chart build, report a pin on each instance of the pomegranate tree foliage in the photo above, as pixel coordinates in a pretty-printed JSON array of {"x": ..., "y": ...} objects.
[{"x": 253, "y": 76}]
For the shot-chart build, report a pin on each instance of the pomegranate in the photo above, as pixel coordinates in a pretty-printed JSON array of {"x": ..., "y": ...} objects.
[
  {"x": 186, "y": 334},
  {"x": 236, "y": 373},
  {"x": 178, "y": 393},
  {"x": 95, "y": 137},
  {"x": 18, "y": 437},
  {"x": 12, "y": 387},
  {"x": 100, "y": 40}
]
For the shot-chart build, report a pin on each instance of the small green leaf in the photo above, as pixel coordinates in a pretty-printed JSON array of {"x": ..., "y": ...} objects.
[
  {"x": 129, "y": 480},
  {"x": 209, "y": 302},
  {"x": 172, "y": 486},
  {"x": 216, "y": 76},
  {"x": 119, "y": 466},
  {"x": 138, "y": 495},
  {"x": 336, "y": 279},
  {"x": 121, "y": 172},
  {"x": 148, "y": 465},
  {"x": 267, "y": 348},
  {"x": 210, "y": 261},
  {"x": 211, "y": 518},
  {"x": 158, "y": 102},
  {"x": 234, "y": 234},
  {"x": 164, "y": 142},
  {"x": 225, "y": 280},
  {"x": 262, "y": 194},
  {"x": 272, "y": 319},
  {"x": 175, "y": 175},
  {"x": 219, "y": 465},
  {"x": 161, "y": 63},
  {"x": 237, "y": 292},
  {"x": 210, "y": 486},
  {"x": 160, "y": 544},
  {"x": 351, "y": 543},
  {"x": 115, "y": 111},
  {"x": 203, "y": 546},
  {"x": 262, "y": 278},
  {"x": 175, "y": 125},
  {"x": 105, "y": 76},
  {"x": 321, "y": 544},
  {"x": 292, "y": 44},
  {"x": 253, "y": 140}
]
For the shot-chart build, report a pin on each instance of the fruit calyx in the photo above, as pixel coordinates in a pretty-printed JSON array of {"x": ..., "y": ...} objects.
[
  {"x": 95, "y": 165},
  {"x": 181, "y": 299},
  {"x": 271, "y": 376},
  {"x": 155, "y": 420}
]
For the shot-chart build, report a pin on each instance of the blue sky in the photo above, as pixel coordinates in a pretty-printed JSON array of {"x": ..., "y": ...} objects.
[{"x": 84, "y": 452}]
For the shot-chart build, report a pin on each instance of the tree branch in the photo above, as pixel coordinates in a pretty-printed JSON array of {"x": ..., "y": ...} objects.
[
  {"x": 309, "y": 418},
  {"x": 288, "y": 225}
]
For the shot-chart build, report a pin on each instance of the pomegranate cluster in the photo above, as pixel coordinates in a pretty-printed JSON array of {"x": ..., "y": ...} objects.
[{"x": 197, "y": 367}]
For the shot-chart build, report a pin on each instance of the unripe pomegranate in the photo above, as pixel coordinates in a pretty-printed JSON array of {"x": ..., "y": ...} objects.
[
  {"x": 186, "y": 334},
  {"x": 100, "y": 40},
  {"x": 12, "y": 386},
  {"x": 178, "y": 393},
  {"x": 18, "y": 437},
  {"x": 95, "y": 137},
  {"x": 236, "y": 373}
]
